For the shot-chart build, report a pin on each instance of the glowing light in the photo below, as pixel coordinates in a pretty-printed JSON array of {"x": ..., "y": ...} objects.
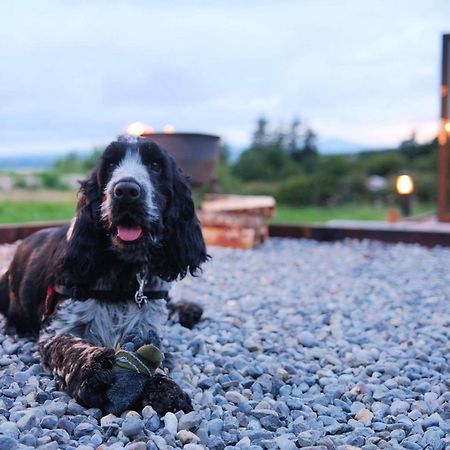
[
  {"x": 404, "y": 185},
  {"x": 138, "y": 129},
  {"x": 169, "y": 129},
  {"x": 447, "y": 126}
]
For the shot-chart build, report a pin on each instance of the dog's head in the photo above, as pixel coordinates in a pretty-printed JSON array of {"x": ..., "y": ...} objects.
[{"x": 137, "y": 205}]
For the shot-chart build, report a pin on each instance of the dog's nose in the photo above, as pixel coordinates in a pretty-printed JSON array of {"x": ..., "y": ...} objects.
[{"x": 127, "y": 191}]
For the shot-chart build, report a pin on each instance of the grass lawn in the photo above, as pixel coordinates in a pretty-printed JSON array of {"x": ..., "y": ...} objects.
[
  {"x": 41, "y": 206},
  {"x": 35, "y": 211},
  {"x": 36, "y": 206},
  {"x": 314, "y": 214}
]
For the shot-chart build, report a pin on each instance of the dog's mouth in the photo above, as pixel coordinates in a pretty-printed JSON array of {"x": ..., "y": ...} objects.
[
  {"x": 129, "y": 233},
  {"x": 128, "y": 230}
]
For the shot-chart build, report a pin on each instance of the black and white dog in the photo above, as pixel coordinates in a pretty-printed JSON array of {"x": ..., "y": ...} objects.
[{"x": 92, "y": 287}]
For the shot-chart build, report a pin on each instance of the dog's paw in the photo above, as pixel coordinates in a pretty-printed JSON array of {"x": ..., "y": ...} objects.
[
  {"x": 189, "y": 314},
  {"x": 91, "y": 380},
  {"x": 164, "y": 395}
]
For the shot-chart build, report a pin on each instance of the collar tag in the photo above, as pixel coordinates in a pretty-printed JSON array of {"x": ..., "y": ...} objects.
[{"x": 139, "y": 296}]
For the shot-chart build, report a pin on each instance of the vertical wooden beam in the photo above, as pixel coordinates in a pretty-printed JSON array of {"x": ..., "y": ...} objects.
[{"x": 444, "y": 136}]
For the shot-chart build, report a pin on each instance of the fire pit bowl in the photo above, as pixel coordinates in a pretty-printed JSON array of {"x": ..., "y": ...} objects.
[{"x": 197, "y": 154}]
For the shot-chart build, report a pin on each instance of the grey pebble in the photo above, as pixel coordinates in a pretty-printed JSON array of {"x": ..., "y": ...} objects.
[
  {"x": 278, "y": 371},
  {"x": 49, "y": 446},
  {"x": 215, "y": 427},
  {"x": 74, "y": 408},
  {"x": 7, "y": 443},
  {"x": 215, "y": 442},
  {"x": 307, "y": 339},
  {"x": 152, "y": 446},
  {"x": 28, "y": 421},
  {"x": 57, "y": 408},
  {"x": 49, "y": 422},
  {"x": 132, "y": 426},
  {"x": 398, "y": 407},
  {"x": 189, "y": 421},
  {"x": 153, "y": 423},
  {"x": 66, "y": 424},
  {"x": 28, "y": 439},
  {"x": 9, "y": 429},
  {"x": 433, "y": 438},
  {"x": 83, "y": 429}
]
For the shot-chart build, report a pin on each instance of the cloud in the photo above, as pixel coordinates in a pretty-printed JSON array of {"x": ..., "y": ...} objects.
[{"x": 79, "y": 72}]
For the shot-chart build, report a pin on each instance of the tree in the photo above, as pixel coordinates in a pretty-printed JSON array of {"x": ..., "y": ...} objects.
[
  {"x": 225, "y": 153},
  {"x": 293, "y": 136},
  {"x": 260, "y": 134},
  {"x": 310, "y": 143},
  {"x": 410, "y": 142},
  {"x": 307, "y": 154}
]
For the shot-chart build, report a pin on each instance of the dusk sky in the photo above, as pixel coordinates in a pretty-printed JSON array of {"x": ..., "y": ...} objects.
[{"x": 74, "y": 74}]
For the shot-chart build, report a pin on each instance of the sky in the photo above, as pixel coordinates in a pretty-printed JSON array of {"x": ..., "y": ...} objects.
[{"x": 73, "y": 75}]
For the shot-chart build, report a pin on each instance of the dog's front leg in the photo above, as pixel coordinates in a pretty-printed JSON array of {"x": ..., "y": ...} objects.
[
  {"x": 83, "y": 370},
  {"x": 137, "y": 380}
]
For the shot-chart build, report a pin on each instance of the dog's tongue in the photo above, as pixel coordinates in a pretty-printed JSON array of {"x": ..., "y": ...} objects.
[{"x": 129, "y": 233}]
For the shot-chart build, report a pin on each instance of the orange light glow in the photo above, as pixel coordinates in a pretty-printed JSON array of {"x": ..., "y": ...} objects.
[
  {"x": 138, "y": 129},
  {"x": 169, "y": 129},
  {"x": 447, "y": 126},
  {"x": 404, "y": 185}
]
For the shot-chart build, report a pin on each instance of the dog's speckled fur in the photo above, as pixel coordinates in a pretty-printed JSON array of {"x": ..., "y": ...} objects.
[{"x": 77, "y": 344}]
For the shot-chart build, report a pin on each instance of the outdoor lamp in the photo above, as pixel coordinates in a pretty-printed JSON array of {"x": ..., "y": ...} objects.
[
  {"x": 138, "y": 129},
  {"x": 405, "y": 188},
  {"x": 169, "y": 129}
]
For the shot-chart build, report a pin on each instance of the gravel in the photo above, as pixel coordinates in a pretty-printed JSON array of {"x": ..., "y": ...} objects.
[{"x": 339, "y": 345}]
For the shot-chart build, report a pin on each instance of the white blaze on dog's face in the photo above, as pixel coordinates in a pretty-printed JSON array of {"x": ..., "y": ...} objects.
[
  {"x": 130, "y": 170},
  {"x": 129, "y": 205}
]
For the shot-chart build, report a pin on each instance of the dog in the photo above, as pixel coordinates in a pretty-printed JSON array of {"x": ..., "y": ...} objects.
[{"x": 97, "y": 289}]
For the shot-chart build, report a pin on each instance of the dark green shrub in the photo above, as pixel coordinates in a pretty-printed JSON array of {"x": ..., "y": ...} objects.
[
  {"x": 265, "y": 163},
  {"x": 383, "y": 164},
  {"x": 296, "y": 192},
  {"x": 51, "y": 180},
  {"x": 20, "y": 181},
  {"x": 426, "y": 186}
]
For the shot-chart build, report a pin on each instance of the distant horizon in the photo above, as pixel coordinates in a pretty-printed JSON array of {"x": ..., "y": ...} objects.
[
  {"x": 337, "y": 146},
  {"x": 325, "y": 145},
  {"x": 44, "y": 158}
]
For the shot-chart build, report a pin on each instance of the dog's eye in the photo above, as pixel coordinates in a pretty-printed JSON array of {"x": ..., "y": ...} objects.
[{"x": 155, "y": 167}]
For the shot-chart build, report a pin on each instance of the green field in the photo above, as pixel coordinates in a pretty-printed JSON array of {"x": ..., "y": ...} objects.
[
  {"x": 61, "y": 206},
  {"x": 21, "y": 206},
  {"x": 35, "y": 211},
  {"x": 314, "y": 214}
]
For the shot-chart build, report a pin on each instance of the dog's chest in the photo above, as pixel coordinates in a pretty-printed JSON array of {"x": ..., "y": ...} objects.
[{"x": 105, "y": 324}]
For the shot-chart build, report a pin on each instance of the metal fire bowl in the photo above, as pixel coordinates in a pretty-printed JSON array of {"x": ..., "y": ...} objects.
[{"x": 197, "y": 154}]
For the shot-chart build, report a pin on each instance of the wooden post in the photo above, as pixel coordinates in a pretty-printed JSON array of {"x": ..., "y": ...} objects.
[{"x": 444, "y": 136}]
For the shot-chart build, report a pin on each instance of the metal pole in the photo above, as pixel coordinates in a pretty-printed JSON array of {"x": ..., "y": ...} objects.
[
  {"x": 405, "y": 205},
  {"x": 444, "y": 134}
]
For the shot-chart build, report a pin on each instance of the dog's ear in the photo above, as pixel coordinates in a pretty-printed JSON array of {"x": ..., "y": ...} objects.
[
  {"x": 183, "y": 250},
  {"x": 85, "y": 235}
]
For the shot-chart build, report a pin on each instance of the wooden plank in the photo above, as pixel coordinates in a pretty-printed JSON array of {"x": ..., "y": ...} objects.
[
  {"x": 262, "y": 205},
  {"x": 14, "y": 232},
  {"x": 230, "y": 219},
  {"x": 329, "y": 233},
  {"x": 243, "y": 238},
  {"x": 231, "y": 229}
]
